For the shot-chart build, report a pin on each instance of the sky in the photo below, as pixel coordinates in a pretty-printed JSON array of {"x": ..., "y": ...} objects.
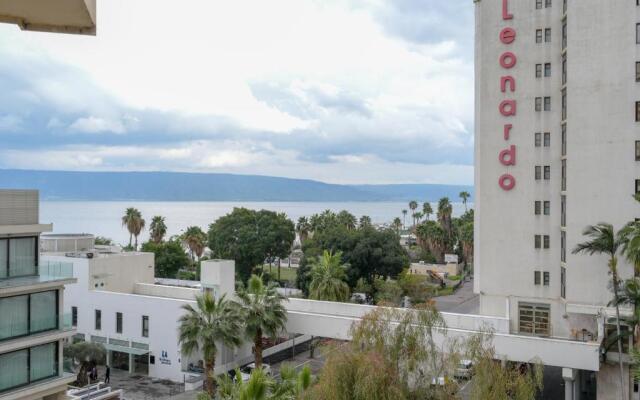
[{"x": 341, "y": 91}]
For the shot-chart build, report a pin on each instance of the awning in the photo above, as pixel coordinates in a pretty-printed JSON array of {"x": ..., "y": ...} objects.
[
  {"x": 125, "y": 349},
  {"x": 62, "y": 16}
]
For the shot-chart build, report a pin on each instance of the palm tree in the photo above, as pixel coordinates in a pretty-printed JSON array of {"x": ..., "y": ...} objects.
[
  {"x": 195, "y": 239},
  {"x": 433, "y": 238},
  {"x": 445, "y": 210},
  {"x": 419, "y": 216},
  {"x": 397, "y": 224},
  {"x": 302, "y": 228},
  {"x": 427, "y": 210},
  {"x": 263, "y": 312},
  {"x": 365, "y": 221},
  {"x": 604, "y": 240},
  {"x": 133, "y": 221},
  {"x": 347, "y": 219},
  {"x": 464, "y": 195},
  {"x": 413, "y": 205},
  {"x": 201, "y": 328},
  {"x": 157, "y": 229},
  {"x": 404, "y": 219},
  {"x": 328, "y": 278}
]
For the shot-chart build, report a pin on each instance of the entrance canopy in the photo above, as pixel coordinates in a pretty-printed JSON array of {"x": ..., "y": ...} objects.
[
  {"x": 62, "y": 16},
  {"x": 125, "y": 349}
]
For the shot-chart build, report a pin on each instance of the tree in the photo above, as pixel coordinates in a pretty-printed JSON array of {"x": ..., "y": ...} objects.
[
  {"x": 133, "y": 221},
  {"x": 413, "y": 205},
  {"x": 397, "y": 225},
  {"x": 157, "y": 229},
  {"x": 200, "y": 329},
  {"x": 365, "y": 222},
  {"x": 347, "y": 219},
  {"x": 263, "y": 313},
  {"x": 464, "y": 195},
  {"x": 250, "y": 237},
  {"x": 387, "y": 292},
  {"x": 466, "y": 240},
  {"x": 291, "y": 385},
  {"x": 445, "y": 212},
  {"x": 195, "y": 240},
  {"x": 404, "y": 219},
  {"x": 87, "y": 354},
  {"x": 303, "y": 228},
  {"x": 418, "y": 216},
  {"x": 103, "y": 241},
  {"x": 328, "y": 278},
  {"x": 433, "y": 238},
  {"x": 605, "y": 241},
  {"x": 427, "y": 210},
  {"x": 170, "y": 257}
]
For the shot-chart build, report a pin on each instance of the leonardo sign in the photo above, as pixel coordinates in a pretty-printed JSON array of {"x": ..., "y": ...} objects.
[{"x": 508, "y": 107}]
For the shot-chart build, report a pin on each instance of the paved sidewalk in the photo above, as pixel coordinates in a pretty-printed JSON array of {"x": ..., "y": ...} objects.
[{"x": 463, "y": 301}]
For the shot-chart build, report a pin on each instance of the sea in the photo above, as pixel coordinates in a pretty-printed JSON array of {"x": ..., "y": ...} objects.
[{"x": 103, "y": 218}]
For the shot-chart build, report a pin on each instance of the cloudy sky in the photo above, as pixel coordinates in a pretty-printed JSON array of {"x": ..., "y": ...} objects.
[{"x": 343, "y": 91}]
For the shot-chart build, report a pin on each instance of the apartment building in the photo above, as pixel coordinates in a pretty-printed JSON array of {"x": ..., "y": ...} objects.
[
  {"x": 557, "y": 149},
  {"x": 32, "y": 324}
]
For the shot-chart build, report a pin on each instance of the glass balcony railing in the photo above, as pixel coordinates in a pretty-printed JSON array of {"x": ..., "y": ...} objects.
[{"x": 29, "y": 275}]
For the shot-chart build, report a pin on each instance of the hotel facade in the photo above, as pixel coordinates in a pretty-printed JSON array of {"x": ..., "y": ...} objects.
[{"x": 557, "y": 148}]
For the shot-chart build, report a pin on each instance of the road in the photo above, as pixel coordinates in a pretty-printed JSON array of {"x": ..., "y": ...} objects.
[{"x": 463, "y": 301}]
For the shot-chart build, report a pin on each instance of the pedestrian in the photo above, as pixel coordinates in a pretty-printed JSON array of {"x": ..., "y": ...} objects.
[
  {"x": 107, "y": 375},
  {"x": 94, "y": 373}
]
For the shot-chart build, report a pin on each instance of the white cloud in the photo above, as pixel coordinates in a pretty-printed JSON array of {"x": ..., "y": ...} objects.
[
  {"x": 10, "y": 123},
  {"x": 97, "y": 125}
]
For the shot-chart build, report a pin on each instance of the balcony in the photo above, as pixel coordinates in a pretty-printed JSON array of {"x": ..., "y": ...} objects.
[{"x": 45, "y": 273}]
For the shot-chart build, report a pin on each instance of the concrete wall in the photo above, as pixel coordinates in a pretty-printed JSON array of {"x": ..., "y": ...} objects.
[
  {"x": 19, "y": 207},
  {"x": 175, "y": 292}
]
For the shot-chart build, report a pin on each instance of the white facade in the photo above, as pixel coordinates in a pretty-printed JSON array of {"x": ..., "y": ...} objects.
[
  {"x": 576, "y": 61},
  {"x": 124, "y": 283}
]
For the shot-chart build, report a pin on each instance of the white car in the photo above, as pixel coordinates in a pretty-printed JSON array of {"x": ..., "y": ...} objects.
[{"x": 464, "y": 370}]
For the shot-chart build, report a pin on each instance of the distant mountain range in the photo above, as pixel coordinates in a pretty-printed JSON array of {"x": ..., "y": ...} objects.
[{"x": 177, "y": 186}]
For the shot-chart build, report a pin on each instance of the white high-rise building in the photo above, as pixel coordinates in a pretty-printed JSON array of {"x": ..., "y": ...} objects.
[{"x": 557, "y": 149}]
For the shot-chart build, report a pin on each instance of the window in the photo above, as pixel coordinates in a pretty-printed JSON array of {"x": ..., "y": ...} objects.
[
  {"x": 18, "y": 257},
  {"x": 118, "y": 322},
  {"x": 538, "y": 4},
  {"x": 538, "y": 103},
  {"x": 547, "y": 139},
  {"x": 28, "y": 314},
  {"x": 22, "y": 367},
  {"x": 564, "y": 69},
  {"x": 537, "y": 206},
  {"x": 98, "y": 322},
  {"x": 547, "y": 172},
  {"x": 74, "y": 316},
  {"x": 564, "y": 139},
  {"x": 637, "y": 186},
  {"x": 547, "y": 103},
  {"x": 564, "y": 104},
  {"x": 546, "y": 207},
  {"x": 564, "y": 34},
  {"x": 563, "y": 246},
  {"x": 546, "y": 241},
  {"x": 564, "y": 175},
  {"x": 547, "y": 35},
  {"x": 547, "y": 69},
  {"x": 637, "y": 150},
  {"x": 534, "y": 318},
  {"x": 537, "y": 241},
  {"x": 538, "y": 172},
  {"x": 637, "y": 71},
  {"x": 545, "y": 278},
  {"x": 538, "y": 139},
  {"x": 145, "y": 326},
  {"x": 563, "y": 210},
  {"x": 637, "y": 111},
  {"x": 538, "y": 70},
  {"x": 638, "y": 33},
  {"x": 563, "y": 282},
  {"x": 547, "y": 3},
  {"x": 564, "y": 5},
  {"x": 538, "y": 35},
  {"x": 536, "y": 277}
]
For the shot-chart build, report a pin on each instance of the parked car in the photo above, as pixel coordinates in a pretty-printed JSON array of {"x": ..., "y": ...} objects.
[
  {"x": 250, "y": 367},
  {"x": 243, "y": 375},
  {"x": 464, "y": 370}
]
